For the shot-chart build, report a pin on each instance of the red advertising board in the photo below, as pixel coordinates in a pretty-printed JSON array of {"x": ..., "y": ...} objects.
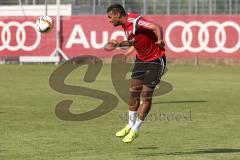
[
  {"x": 185, "y": 36},
  {"x": 18, "y": 37}
]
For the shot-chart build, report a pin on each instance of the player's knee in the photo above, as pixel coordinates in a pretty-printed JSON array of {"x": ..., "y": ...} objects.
[
  {"x": 135, "y": 89},
  {"x": 147, "y": 92},
  {"x": 146, "y": 96},
  {"x": 134, "y": 101},
  {"x": 135, "y": 92}
]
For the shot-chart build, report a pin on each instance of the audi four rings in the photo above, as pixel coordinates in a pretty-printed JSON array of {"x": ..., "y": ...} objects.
[
  {"x": 203, "y": 36},
  {"x": 186, "y": 36},
  {"x": 6, "y": 35}
]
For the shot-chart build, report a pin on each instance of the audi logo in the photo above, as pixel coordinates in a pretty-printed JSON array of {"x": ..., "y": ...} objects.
[
  {"x": 7, "y": 34},
  {"x": 203, "y": 36}
]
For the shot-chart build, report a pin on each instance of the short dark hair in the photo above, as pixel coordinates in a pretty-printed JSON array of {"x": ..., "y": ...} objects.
[{"x": 117, "y": 8}]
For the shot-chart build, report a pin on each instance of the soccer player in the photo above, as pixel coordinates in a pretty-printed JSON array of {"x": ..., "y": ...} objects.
[{"x": 147, "y": 39}]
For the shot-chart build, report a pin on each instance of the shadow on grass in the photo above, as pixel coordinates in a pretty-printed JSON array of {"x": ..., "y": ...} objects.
[
  {"x": 200, "y": 151},
  {"x": 2, "y": 150},
  {"x": 166, "y": 102},
  {"x": 147, "y": 148}
]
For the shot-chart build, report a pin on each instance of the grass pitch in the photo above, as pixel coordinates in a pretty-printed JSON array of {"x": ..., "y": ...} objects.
[{"x": 201, "y": 122}]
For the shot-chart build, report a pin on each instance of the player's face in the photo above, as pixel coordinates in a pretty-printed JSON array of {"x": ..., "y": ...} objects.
[{"x": 114, "y": 18}]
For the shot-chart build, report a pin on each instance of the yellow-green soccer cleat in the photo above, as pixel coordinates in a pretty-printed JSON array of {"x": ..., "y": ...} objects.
[
  {"x": 130, "y": 137},
  {"x": 124, "y": 131}
]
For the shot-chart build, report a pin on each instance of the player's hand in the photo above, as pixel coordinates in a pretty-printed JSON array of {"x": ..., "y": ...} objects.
[
  {"x": 160, "y": 43},
  {"x": 114, "y": 43},
  {"x": 125, "y": 43}
]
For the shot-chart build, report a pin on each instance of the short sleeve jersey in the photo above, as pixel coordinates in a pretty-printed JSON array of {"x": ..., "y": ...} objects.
[{"x": 137, "y": 29}]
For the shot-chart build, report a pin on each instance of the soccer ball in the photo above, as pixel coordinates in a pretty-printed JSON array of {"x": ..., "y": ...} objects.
[{"x": 44, "y": 24}]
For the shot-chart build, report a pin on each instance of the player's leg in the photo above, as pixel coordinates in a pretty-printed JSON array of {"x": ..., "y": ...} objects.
[
  {"x": 145, "y": 108},
  {"x": 134, "y": 102},
  {"x": 155, "y": 72},
  {"x": 151, "y": 79},
  {"x": 147, "y": 93}
]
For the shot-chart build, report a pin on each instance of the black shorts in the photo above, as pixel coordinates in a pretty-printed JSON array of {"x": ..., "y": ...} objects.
[{"x": 149, "y": 72}]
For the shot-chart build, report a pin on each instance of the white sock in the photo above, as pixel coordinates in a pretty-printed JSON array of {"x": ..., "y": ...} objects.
[
  {"x": 132, "y": 116},
  {"x": 137, "y": 125}
]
